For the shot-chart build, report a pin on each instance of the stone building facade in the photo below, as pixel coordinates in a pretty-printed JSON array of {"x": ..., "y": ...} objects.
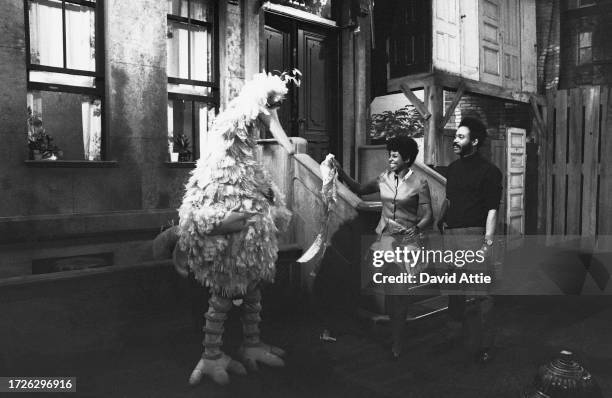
[{"x": 108, "y": 208}]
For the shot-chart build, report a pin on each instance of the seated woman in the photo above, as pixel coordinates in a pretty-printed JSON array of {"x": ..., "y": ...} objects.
[{"x": 402, "y": 193}]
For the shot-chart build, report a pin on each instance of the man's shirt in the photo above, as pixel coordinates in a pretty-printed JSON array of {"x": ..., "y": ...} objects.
[{"x": 473, "y": 187}]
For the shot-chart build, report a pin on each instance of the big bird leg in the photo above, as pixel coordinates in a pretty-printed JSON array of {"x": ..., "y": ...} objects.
[
  {"x": 214, "y": 362},
  {"x": 253, "y": 350}
]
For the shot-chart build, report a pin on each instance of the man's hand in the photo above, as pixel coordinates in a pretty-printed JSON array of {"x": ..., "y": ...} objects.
[{"x": 486, "y": 248}]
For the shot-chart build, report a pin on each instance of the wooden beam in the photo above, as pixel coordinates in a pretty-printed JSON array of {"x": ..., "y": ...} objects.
[
  {"x": 420, "y": 80},
  {"x": 418, "y": 104},
  {"x": 451, "y": 81},
  {"x": 540, "y": 124},
  {"x": 434, "y": 99},
  {"x": 453, "y": 105}
]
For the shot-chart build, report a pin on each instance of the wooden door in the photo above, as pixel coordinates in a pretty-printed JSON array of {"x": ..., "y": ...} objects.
[
  {"x": 490, "y": 41},
  {"x": 511, "y": 45},
  {"x": 446, "y": 41},
  {"x": 498, "y": 158},
  {"x": 277, "y": 57},
  {"x": 310, "y": 111},
  {"x": 468, "y": 10},
  {"x": 515, "y": 177}
]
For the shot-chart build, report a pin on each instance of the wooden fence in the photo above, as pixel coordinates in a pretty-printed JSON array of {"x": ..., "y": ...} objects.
[{"x": 577, "y": 162}]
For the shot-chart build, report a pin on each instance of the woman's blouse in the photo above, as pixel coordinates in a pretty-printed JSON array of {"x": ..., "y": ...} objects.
[{"x": 401, "y": 198}]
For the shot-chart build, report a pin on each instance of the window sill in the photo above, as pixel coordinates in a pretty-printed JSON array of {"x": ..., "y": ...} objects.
[
  {"x": 181, "y": 165},
  {"x": 72, "y": 163}
]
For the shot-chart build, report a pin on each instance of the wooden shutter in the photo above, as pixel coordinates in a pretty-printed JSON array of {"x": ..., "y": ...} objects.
[
  {"x": 446, "y": 42},
  {"x": 511, "y": 46},
  {"x": 528, "y": 46},
  {"x": 515, "y": 198},
  {"x": 490, "y": 41},
  {"x": 469, "y": 37}
]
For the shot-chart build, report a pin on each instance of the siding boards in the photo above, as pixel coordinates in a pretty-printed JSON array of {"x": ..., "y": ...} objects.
[
  {"x": 560, "y": 165},
  {"x": 605, "y": 166}
]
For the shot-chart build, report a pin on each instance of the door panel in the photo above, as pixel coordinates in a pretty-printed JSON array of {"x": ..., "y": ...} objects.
[
  {"x": 313, "y": 116},
  {"x": 446, "y": 42},
  {"x": 490, "y": 43}
]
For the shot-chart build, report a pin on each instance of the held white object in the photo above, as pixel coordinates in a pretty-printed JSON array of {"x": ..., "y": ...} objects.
[{"x": 329, "y": 189}]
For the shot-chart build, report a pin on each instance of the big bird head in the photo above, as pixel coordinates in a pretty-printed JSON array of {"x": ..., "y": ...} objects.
[{"x": 255, "y": 109}]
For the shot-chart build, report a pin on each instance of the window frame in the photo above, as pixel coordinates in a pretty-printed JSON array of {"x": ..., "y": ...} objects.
[
  {"x": 98, "y": 75},
  {"x": 213, "y": 98}
]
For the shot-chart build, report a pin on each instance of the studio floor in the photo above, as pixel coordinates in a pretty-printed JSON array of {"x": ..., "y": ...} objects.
[{"x": 532, "y": 330}]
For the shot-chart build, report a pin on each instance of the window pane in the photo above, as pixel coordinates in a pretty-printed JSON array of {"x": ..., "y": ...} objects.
[
  {"x": 182, "y": 125},
  {"x": 62, "y": 78},
  {"x": 200, "y": 54},
  {"x": 189, "y": 89},
  {"x": 192, "y": 119},
  {"x": 205, "y": 117},
  {"x": 46, "y": 38},
  {"x": 321, "y": 8},
  {"x": 177, "y": 45},
  {"x": 200, "y": 10},
  {"x": 586, "y": 39},
  {"x": 585, "y": 55},
  {"x": 80, "y": 37},
  {"x": 178, "y": 7},
  {"x": 73, "y": 121}
]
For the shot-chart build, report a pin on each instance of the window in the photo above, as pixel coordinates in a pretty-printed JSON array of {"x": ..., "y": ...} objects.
[
  {"x": 193, "y": 91},
  {"x": 65, "y": 67},
  {"x": 585, "y": 48}
]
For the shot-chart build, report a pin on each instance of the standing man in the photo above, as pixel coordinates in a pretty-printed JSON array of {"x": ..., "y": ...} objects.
[{"x": 467, "y": 219}]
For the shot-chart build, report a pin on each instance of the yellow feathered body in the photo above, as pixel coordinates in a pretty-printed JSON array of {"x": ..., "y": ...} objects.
[{"x": 228, "y": 178}]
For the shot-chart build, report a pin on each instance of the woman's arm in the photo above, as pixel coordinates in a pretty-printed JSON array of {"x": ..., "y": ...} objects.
[
  {"x": 427, "y": 216},
  {"x": 359, "y": 189}
]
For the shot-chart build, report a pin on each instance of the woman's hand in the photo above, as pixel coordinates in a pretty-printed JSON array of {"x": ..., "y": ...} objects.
[
  {"x": 338, "y": 167},
  {"x": 411, "y": 232}
]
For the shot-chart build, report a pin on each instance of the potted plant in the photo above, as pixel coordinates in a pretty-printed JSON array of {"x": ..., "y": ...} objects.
[
  {"x": 403, "y": 121},
  {"x": 182, "y": 145},
  {"x": 39, "y": 142}
]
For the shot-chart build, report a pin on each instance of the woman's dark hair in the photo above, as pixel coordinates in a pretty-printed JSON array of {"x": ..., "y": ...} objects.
[
  {"x": 406, "y": 146},
  {"x": 477, "y": 129}
]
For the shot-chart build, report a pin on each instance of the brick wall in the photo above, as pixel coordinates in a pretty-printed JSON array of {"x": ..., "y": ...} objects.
[{"x": 495, "y": 113}]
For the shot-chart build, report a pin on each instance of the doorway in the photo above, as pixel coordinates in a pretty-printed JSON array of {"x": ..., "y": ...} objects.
[{"x": 312, "y": 110}]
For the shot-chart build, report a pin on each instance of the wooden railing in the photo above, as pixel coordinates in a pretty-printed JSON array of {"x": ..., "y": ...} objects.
[{"x": 300, "y": 178}]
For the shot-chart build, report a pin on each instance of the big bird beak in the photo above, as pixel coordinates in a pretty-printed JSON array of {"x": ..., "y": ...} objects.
[{"x": 277, "y": 130}]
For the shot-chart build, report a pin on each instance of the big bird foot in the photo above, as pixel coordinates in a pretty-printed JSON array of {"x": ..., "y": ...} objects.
[
  {"x": 264, "y": 353},
  {"x": 216, "y": 369}
]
